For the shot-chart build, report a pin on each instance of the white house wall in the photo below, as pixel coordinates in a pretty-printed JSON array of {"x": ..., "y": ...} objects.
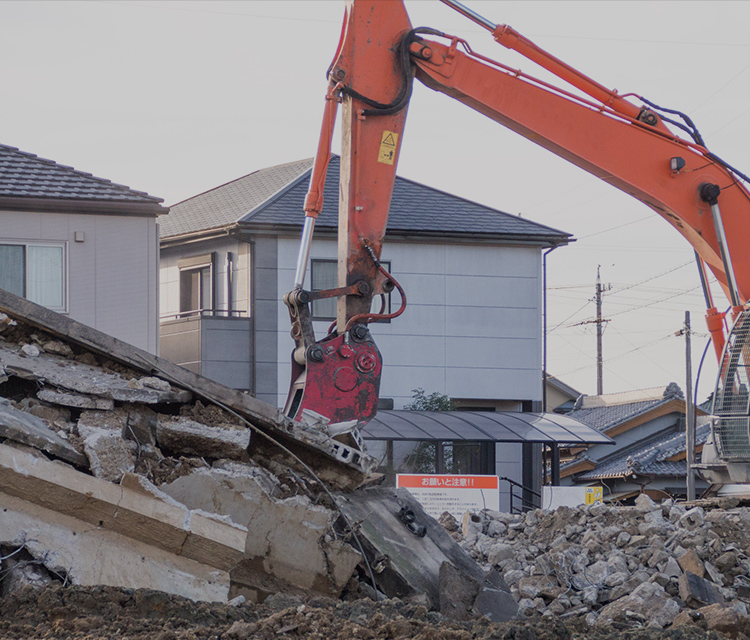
[
  {"x": 111, "y": 275},
  {"x": 472, "y": 327},
  {"x": 169, "y": 290}
]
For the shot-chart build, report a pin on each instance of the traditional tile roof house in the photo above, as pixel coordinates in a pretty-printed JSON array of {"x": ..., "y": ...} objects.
[
  {"x": 648, "y": 427},
  {"x": 80, "y": 245}
]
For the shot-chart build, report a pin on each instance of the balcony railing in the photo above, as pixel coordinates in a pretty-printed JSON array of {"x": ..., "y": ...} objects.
[{"x": 206, "y": 313}]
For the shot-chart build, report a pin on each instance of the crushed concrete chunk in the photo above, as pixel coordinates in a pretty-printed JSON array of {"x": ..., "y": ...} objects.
[
  {"x": 25, "y": 428},
  {"x": 697, "y": 592},
  {"x": 288, "y": 542},
  {"x": 689, "y": 561},
  {"x": 187, "y": 437},
  {"x": 29, "y": 351},
  {"x": 6, "y": 322},
  {"x": 458, "y": 592},
  {"x": 156, "y": 383},
  {"x": 58, "y": 348},
  {"x": 108, "y": 454}
]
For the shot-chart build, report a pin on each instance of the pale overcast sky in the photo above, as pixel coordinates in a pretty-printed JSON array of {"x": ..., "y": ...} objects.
[{"x": 175, "y": 98}]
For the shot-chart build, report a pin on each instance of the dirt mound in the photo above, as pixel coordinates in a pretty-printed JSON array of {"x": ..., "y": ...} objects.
[{"x": 94, "y": 613}]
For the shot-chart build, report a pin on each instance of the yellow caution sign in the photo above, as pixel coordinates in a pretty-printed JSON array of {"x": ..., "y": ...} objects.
[
  {"x": 594, "y": 494},
  {"x": 388, "y": 142}
]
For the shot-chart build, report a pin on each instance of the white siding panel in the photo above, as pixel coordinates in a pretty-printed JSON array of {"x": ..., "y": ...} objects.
[
  {"x": 491, "y": 291},
  {"x": 421, "y": 288},
  {"x": 122, "y": 287},
  {"x": 56, "y": 226},
  {"x": 399, "y": 382},
  {"x": 463, "y": 382},
  {"x": 422, "y": 351},
  {"x": 82, "y": 272},
  {"x": 493, "y": 322},
  {"x": 472, "y": 328},
  {"x": 21, "y": 225},
  {"x": 414, "y": 259},
  {"x": 500, "y": 353},
  {"x": 479, "y": 260},
  {"x": 418, "y": 319}
]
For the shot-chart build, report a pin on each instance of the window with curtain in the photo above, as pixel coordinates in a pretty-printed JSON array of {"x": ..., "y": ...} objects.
[
  {"x": 324, "y": 275},
  {"x": 36, "y": 272}
]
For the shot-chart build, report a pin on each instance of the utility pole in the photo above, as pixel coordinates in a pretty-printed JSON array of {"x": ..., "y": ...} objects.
[
  {"x": 690, "y": 413},
  {"x": 599, "y": 333}
]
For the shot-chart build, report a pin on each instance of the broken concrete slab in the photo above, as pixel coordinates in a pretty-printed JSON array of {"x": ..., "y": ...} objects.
[
  {"x": 289, "y": 544},
  {"x": 408, "y": 564},
  {"x": 75, "y": 400},
  {"x": 220, "y": 491},
  {"x": 81, "y": 378},
  {"x": 316, "y": 449},
  {"x": 187, "y": 437},
  {"x": 136, "y": 423},
  {"x": 28, "y": 429},
  {"x": 88, "y": 555},
  {"x": 113, "y": 508},
  {"x": 108, "y": 454}
]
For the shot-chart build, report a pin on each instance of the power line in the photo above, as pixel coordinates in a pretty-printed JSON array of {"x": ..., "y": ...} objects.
[
  {"x": 648, "y": 304},
  {"x": 569, "y": 317},
  {"x": 722, "y": 87},
  {"x": 637, "y": 284},
  {"x": 620, "y": 226},
  {"x": 286, "y": 18}
]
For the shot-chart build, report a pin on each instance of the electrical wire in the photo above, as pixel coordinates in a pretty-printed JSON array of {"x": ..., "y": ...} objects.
[
  {"x": 588, "y": 302},
  {"x": 638, "y": 284},
  {"x": 649, "y": 304}
]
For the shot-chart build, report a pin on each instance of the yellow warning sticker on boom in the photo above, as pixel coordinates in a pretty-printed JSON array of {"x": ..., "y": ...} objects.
[{"x": 387, "y": 153}]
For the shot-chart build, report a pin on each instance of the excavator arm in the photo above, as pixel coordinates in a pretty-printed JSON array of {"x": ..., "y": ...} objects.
[{"x": 630, "y": 146}]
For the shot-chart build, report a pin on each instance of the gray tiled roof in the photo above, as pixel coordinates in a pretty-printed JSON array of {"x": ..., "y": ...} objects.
[
  {"x": 603, "y": 418},
  {"x": 651, "y": 458},
  {"x": 274, "y": 197},
  {"x": 232, "y": 202},
  {"x": 24, "y": 175}
]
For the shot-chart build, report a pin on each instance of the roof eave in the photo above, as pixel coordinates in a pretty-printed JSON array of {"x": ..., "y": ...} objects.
[
  {"x": 197, "y": 236},
  {"x": 91, "y": 207},
  {"x": 412, "y": 235}
]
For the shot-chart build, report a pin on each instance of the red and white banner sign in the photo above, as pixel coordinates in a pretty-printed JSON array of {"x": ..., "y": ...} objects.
[{"x": 454, "y": 494}]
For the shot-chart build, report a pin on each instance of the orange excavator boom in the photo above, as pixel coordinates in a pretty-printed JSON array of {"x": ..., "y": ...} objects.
[{"x": 631, "y": 146}]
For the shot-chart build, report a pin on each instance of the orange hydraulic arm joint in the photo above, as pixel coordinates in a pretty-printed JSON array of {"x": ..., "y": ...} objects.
[
  {"x": 628, "y": 146},
  {"x": 339, "y": 375}
]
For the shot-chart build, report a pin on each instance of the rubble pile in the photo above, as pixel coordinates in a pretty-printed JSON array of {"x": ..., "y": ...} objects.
[
  {"x": 89, "y": 441},
  {"x": 120, "y": 469},
  {"x": 651, "y": 565}
]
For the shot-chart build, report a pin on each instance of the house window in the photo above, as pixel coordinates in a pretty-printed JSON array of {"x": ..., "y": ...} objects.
[
  {"x": 197, "y": 294},
  {"x": 35, "y": 272},
  {"x": 324, "y": 275}
]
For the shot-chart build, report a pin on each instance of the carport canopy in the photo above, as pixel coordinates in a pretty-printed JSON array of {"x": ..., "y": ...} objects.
[{"x": 482, "y": 426}]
